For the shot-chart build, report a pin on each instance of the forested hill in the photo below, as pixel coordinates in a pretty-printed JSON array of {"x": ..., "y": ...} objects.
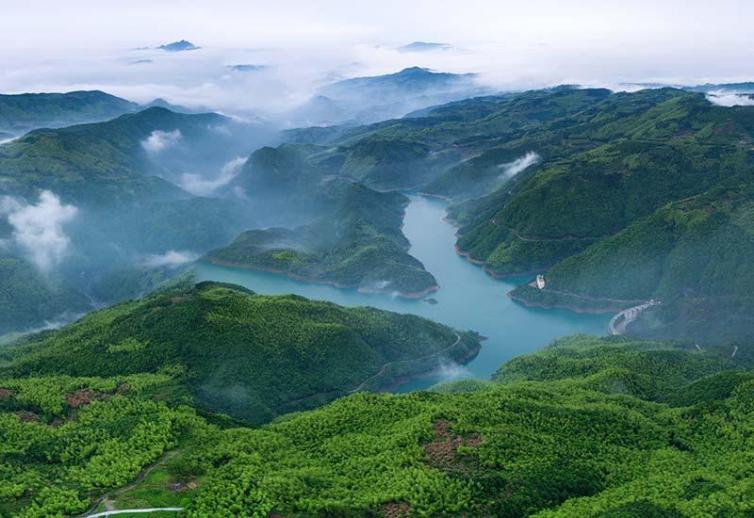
[
  {"x": 657, "y": 211},
  {"x": 362, "y": 100},
  {"x": 250, "y": 356},
  {"x": 98, "y": 163},
  {"x": 355, "y": 241},
  {"x": 20, "y": 113},
  {"x": 693, "y": 255},
  {"x": 579, "y": 184},
  {"x": 586, "y": 427},
  {"x": 108, "y": 193}
]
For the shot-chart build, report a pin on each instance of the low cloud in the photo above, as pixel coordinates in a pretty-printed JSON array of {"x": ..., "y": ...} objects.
[
  {"x": 730, "y": 98},
  {"x": 170, "y": 259},
  {"x": 198, "y": 185},
  {"x": 452, "y": 371},
  {"x": 511, "y": 169},
  {"x": 38, "y": 228},
  {"x": 158, "y": 140}
]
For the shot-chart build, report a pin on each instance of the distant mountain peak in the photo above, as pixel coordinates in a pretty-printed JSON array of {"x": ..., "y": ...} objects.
[
  {"x": 246, "y": 67},
  {"x": 423, "y": 46},
  {"x": 415, "y": 70},
  {"x": 178, "y": 46}
]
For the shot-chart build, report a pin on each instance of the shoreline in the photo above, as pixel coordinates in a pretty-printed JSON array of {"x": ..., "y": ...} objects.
[
  {"x": 492, "y": 273},
  {"x": 389, "y": 385},
  {"x": 595, "y": 310},
  {"x": 467, "y": 358},
  {"x": 412, "y": 295}
]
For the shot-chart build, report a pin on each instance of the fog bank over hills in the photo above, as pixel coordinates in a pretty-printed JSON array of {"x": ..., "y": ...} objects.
[{"x": 257, "y": 79}]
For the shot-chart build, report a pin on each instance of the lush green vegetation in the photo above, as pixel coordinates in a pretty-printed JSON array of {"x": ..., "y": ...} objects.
[
  {"x": 434, "y": 145},
  {"x": 95, "y": 164},
  {"x": 357, "y": 243},
  {"x": 615, "y": 241},
  {"x": 693, "y": 255},
  {"x": 127, "y": 210},
  {"x": 66, "y": 439},
  {"x": 250, "y": 356},
  {"x": 27, "y": 297},
  {"x": 594, "y": 212},
  {"x": 586, "y": 427},
  {"x": 23, "y": 112}
]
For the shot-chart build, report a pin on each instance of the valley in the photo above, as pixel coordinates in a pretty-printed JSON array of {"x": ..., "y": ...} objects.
[
  {"x": 300, "y": 270},
  {"x": 466, "y": 299}
]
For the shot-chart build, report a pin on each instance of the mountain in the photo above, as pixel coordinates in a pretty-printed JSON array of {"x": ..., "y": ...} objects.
[
  {"x": 178, "y": 46},
  {"x": 247, "y": 67},
  {"x": 98, "y": 163},
  {"x": 424, "y": 46},
  {"x": 692, "y": 255},
  {"x": 339, "y": 230},
  {"x": 29, "y": 299},
  {"x": 24, "y": 112},
  {"x": 447, "y": 150},
  {"x": 601, "y": 161},
  {"x": 355, "y": 243},
  {"x": 559, "y": 180},
  {"x": 162, "y": 103},
  {"x": 369, "y": 99},
  {"x": 250, "y": 356},
  {"x": 412, "y": 79},
  {"x": 723, "y": 87},
  {"x": 683, "y": 147},
  {"x": 586, "y": 427},
  {"x": 92, "y": 205}
]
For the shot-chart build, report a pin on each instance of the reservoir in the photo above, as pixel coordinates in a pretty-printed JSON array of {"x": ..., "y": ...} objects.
[{"x": 468, "y": 298}]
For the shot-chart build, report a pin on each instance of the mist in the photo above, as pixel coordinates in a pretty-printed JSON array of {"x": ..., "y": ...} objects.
[
  {"x": 511, "y": 169},
  {"x": 172, "y": 258},
  {"x": 726, "y": 98},
  {"x": 200, "y": 185},
  {"x": 38, "y": 229},
  {"x": 160, "y": 140},
  {"x": 258, "y": 60},
  {"x": 267, "y": 68}
]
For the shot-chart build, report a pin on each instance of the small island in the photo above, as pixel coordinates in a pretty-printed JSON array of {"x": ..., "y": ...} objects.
[{"x": 178, "y": 46}]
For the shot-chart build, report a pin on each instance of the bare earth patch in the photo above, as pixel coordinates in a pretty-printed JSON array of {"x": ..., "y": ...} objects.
[
  {"x": 28, "y": 417},
  {"x": 443, "y": 450},
  {"x": 83, "y": 397},
  {"x": 396, "y": 510}
]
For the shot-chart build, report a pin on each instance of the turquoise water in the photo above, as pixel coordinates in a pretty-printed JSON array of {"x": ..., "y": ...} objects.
[{"x": 467, "y": 299}]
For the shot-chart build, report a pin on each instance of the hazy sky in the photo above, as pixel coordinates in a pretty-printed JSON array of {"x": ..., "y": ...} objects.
[
  {"x": 63, "y": 45},
  {"x": 81, "y": 23}
]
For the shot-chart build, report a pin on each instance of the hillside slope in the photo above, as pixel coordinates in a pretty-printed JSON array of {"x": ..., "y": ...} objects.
[
  {"x": 20, "y": 113},
  {"x": 355, "y": 241},
  {"x": 692, "y": 255},
  {"x": 249, "y": 356},
  {"x": 104, "y": 198},
  {"x": 586, "y": 427},
  {"x": 96, "y": 163}
]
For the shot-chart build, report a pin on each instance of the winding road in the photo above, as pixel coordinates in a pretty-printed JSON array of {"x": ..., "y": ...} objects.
[
  {"x": 108, "y": 498},
  {"x": 135, "y": 511},
  {"x": 534, "y": 239},
  {"x": 382, "y": 370},
  {"x": 620, "y": 321}
]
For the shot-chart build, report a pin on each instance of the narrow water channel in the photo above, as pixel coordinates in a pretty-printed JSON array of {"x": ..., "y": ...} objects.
[{"x": 467, "y": 298}]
